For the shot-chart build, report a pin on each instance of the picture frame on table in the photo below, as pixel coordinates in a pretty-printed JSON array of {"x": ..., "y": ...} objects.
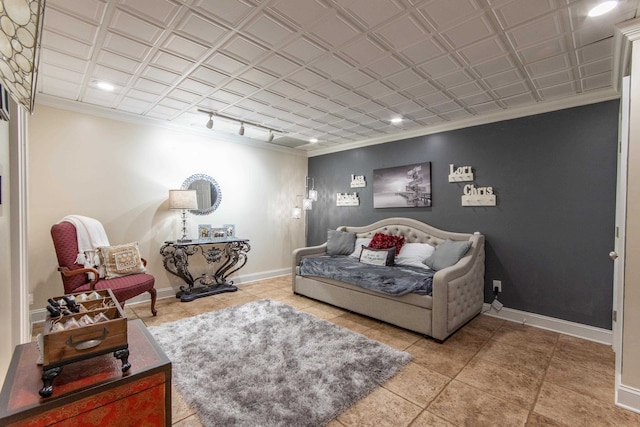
[
  {"x": 230, "y": 230},
  {"x": 204, "y": 231},
  {"x": 218, "y": 233}
]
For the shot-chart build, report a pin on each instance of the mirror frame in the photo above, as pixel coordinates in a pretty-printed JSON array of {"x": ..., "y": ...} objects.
[{"x": 202, "y": 177}]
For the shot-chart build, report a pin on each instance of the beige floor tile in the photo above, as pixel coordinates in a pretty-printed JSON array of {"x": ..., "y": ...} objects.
[
  {"x": 335, "y": 423},
  {"x": 576, "y": 377},
  {"x": 417, "y": 384},
  {"x": 514, "y": 356},
  {"x": 528, "y": 337},
  {"x": 298, "y": 302},
  {"x": 449, "y": 357},
  {"x": 379, "y": 409},
  {"x": 516, "y": 385},
  {"x": 331, "y": 309},
  {"x": 363, "y": 320},
  {"x": 319, "y": 313},
  {"x": 275, "y": 294},
  {"x": 536, "y": 420},
  {"x": 591, "y": 355},
  {"x": 192, "y": 421},
  {"x": 427, "y": 419},
  {"x": 464, "y": 405},
  {"x": 399, "y": 342},
  {"x": 164, "y": 318},
  {"x": 487, "y": 323},
  {"x": 575, "y": 409},
  {"x": 179, "y": 408},
  {"x": 396, "y": 331},
  {"x": 349, "y": 324}
]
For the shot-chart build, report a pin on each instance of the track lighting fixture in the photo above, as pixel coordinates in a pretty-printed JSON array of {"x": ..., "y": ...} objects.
[
  {"x": 242, "y": 124},
  {"x": 241, "y": 130},
  {"x": 270, "y": 135},
  {"x": 210, "y": 122}
]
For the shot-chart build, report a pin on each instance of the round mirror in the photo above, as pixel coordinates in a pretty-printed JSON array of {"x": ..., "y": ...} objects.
[{"x": 207, "y": 190}]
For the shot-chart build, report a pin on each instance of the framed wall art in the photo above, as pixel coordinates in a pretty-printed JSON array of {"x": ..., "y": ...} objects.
[{"x": 402, "y": 186}]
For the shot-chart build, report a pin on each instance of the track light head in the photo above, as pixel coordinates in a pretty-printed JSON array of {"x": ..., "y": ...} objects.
[
  {"x": 270, "y": 135},
  {"x": 210, "y": 122},
  {"x": 241, "y": 130}
]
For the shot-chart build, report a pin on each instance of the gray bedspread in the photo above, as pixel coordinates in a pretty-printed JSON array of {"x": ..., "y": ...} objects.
[{"x": 392, "y": 280}]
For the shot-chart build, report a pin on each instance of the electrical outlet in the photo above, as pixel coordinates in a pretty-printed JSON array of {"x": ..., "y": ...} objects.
[{"x": 497, "y": 284}]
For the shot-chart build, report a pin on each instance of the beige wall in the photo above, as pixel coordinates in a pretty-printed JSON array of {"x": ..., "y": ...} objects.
[
  {"x": 120, "y": 173},
  {"x": 6, "y": 349},
  {"x": 631, "y": 332}
]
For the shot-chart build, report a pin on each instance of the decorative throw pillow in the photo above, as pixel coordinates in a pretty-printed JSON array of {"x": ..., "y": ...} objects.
[
  {"x": 360, "y": 242},
  {"x": 121, "y": 260},
  {"x": 340, "y": 242},
  {"x": 377, "y": 256},
  {"x": 385, "y": 241},
  {"x": 447, "y": 254},
  {"x": 414, "y": 255}
]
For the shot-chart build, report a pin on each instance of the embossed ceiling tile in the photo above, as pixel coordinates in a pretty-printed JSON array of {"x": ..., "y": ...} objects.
[
  {"x": 184, "y": 47},
  {"x": 70, "y": 26},
  {"x": 135, "y": 27},
  {"x": 511, "y": 90},
  {"x": 171, "y": 62},
  {"x": 331, "y": 65},
  {"x": 423, "y": 115},
  {"x": 257, "y": 77},
  {"x": 162, "y": 112},
  {"x": 243, "y": 48},
  {"x": 62, "y": 44},
  {"x": 550, "y": 65},
  {"x": 503, "y": 79},
  {"x": 368, "y": 106},
  {"x": 597, "y": 81},
  {"x": 540, "y": 30},
  {"x": 238, "y": 112},
  {"x": 201, "y": 29},
  {"x": 443, "y": 13},
  {"x": 445, "y": 107},
  {"x": 559, "y": 91},
  {"x": 466, "y": 89},
  {"x": 456, "y": 114},
  {"x": 355, "y": 79},
  {"x": 118, "y": 62},
  {"x": 385, "y": 67},
  {"x": 402, "y": 32},
  {"x": 184, "y": 95},
  {"x": 306, "y": 78},
  {"x": 595, "y": 51},
  {"x": 478, "y": 98},
  {"x": 392, "y": 99},
  {"x": 596, "y": 67},
  {"x": 208, "y": 76},
  {"x": 329, "y": 106},
  {"x": 303, "y": 50},
  {"x": 229, "y": 11},
  {"x": 268, "y": 97},
  {"x": 371, "y": 12},
  {"x": 405, "y": 78},
  {"x": 100, "y": 72},
  {"x": 553, "y": 79},
  {"x": 454, "y": 79},
  {"x": 285, "y": 88},
  {"x": 161, "y": 11},
  {"x": 174, "y": 103},
  {"x": 334, "y": 30},
  {"x": 301, "y": 15},
  {"x": 440, "y": 66},
  {"x": 309, "y": 98},
  {"x": 519, "y": 11},
  {"x": 195, "y": 87},
  {"x": 48, "y": 56},
  {"x": 434, "y": 98},
  {"x": 494, "y": 66},
  {"x": 424, "y": 50},
  {"x": 364, "y": 50},
  {"x": 278, "y": 65},
  {"x": 252, "y": 105},
  {"x": 142, "y": 96},
  {"x": 98, "y": 97},
  {"x": 240, "y": 87},
  {"x": 420, "y": 89},
  {"x": 224, "y": 63},
  {"x": 330, "y": 89},
  {"x": 92, "y": 10},
  {"x": 269, "y": 30},
  {"x": 543, "y": 50},
  {"x": 210, "y": 104},
  {"x": 471, "y": 31},
  {"x": 350, "y": 98},
  {"x": 134, "y": 105},
  {"x": 521, "y": 99},
  {"x": 226, "y": 96},
  {"x": 588, "y": 35},
  {"x": 375, "y": 90},
  {"x": 55, "y": 72},
  {"x": 407, "y": 107},
  {"x": 483, "y": 51},
  {"x": 150, "y": 86},
  {"x": 314, "y": 114},
  {"x": 487, "y": 107},
  {"x": 126, "y": 46}
]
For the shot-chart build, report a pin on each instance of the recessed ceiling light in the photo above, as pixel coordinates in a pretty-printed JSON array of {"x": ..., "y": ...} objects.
[
  {"x": 105, "y": 86},
  {"x": 313, "y": 140},
  {"x": 603, "y": 8},
  {"x": 396, "y": 120}
]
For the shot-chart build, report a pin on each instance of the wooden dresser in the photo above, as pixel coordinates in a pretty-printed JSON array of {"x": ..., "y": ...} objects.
[{"x": 93, "y": 391}]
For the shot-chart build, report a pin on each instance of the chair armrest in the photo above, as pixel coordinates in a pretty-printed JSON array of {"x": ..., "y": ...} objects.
[{"x": 68, "y": 273}]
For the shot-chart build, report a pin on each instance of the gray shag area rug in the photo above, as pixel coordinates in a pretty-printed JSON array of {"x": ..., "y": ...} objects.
[{"x": 267, "y": 364}]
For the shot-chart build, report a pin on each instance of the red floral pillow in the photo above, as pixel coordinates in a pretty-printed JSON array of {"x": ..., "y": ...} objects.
[{"x": 386, "y": 241}]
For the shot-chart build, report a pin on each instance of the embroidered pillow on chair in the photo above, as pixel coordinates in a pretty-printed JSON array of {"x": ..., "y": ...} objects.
[{"x": 121, "y": 260}]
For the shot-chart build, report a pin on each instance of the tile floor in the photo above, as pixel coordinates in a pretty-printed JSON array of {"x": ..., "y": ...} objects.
[{"x": 490, "y": 373}]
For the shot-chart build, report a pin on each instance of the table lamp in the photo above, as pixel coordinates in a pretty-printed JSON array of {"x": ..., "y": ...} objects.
[{"x": 185, "y": 200}]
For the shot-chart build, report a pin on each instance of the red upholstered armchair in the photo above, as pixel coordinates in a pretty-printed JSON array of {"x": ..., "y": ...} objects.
[{"x": 75, "y": 278}]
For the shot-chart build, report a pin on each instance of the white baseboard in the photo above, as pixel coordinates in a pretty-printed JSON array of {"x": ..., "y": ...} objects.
[
  {"x": 591, "y": 333},
  {"x": 628, "y": 398},
  {"x": 39, "y": 315}
]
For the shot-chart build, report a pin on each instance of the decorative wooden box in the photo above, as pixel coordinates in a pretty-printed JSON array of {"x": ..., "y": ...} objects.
[{"x": 60, "y": 347}]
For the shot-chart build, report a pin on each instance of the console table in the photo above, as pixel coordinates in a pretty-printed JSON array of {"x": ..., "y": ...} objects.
[
  {"x": 91, "y": 391},
  {"x": 175, "y": 257}
]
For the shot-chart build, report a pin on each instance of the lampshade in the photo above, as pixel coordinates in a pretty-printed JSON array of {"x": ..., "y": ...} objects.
[
  {"x": 296, "y": 213},
  {"x": 20, "y": 35},
  {"x": 307, "y": 204},
  {"x": 183, "y": 199},
  {"x": 313, "y": 195}
]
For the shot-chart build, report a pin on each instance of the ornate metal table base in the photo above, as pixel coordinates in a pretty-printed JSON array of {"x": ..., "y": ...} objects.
[{"x": 176, "y": 261}]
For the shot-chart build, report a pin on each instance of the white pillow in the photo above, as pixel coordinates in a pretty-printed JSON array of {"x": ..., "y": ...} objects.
[
  {"x": 414, "y": 255},
  {"x": 360, "y": 242}
]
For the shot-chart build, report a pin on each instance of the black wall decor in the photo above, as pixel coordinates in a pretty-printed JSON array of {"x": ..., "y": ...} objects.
[{"x": 548, "y": 237}]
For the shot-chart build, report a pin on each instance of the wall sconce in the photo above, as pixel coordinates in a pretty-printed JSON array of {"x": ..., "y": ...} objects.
[
  {"x": 312, "y": 193},
  {"x": 242, "y": 124},
  {"x": 185, "y": 200},
  {"x": 296, "y": 212},
  {"x": 19, "y": 53}
]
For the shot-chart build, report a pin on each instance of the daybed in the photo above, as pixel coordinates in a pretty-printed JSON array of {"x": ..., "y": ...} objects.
[{"x": 456, "y": 296}]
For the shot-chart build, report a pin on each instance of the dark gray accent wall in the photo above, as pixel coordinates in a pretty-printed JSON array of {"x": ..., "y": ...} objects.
[{"x": 549, "y": 236}]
